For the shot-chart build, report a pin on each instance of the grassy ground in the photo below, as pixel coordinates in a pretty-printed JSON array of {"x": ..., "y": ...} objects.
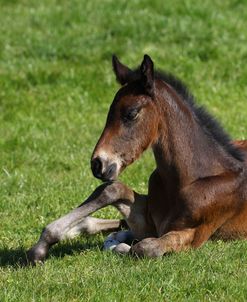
[{"x": 56, "y": 85}]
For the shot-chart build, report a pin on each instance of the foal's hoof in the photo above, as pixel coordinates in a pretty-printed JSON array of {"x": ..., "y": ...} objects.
[
  {"x": 36, "y": 255},
  {"x": 122, "y": 248},
  {"x": 149, "y": 247}
]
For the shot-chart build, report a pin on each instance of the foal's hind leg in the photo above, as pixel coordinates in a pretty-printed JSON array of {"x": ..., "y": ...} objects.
[{"x": 78, "y": 221}]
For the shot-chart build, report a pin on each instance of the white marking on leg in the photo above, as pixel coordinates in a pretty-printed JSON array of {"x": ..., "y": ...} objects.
[
  {"x": 117, "y": 241},
  {"x": 122, "y": 248}
]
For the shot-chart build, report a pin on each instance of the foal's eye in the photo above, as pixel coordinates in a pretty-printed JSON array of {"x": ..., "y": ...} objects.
[{"x": 131, "y": 115}]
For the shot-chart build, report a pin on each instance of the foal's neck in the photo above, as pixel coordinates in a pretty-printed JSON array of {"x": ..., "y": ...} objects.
[{"x": 183, "y": 150}]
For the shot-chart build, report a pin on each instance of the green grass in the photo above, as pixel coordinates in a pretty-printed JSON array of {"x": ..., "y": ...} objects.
[{"x": 56, "y": 85}]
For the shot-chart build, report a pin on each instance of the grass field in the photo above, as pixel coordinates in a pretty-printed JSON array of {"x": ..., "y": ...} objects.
[{"x": 56, "y": 85}]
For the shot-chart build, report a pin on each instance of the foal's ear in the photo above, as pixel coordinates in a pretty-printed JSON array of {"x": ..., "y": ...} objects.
[
  {"x": 147, "y": 75},
  {"x": 122, "y": 72}
]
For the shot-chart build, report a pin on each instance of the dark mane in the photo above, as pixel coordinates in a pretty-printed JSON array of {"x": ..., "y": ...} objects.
[{"x": 209, "y": 124}]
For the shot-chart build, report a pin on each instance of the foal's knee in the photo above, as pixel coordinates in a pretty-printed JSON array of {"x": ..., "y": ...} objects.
[
  {"x": 114, "y": 188},
  {"x": 110, "y": 192}
]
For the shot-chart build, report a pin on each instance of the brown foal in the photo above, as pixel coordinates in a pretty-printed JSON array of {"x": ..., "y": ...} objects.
[{"x": 198, "y": 189}]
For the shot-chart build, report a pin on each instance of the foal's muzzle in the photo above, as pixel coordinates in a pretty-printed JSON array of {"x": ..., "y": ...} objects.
[{"x": 103, "y": 170}]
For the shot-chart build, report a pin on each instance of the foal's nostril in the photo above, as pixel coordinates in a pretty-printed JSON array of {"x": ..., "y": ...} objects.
[
  {"x": 97, "y": 166},
  {"x": 102, "y": 169},
  {"x": 110, "y": 171}
]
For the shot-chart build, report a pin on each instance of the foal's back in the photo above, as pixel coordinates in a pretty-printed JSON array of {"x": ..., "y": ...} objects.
[{"x": 243, "y": 146}]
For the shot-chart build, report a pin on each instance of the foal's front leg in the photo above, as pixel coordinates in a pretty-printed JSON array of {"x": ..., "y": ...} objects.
[
  {"x": 68, "y": 227},
  {"x": 78, "y": 221},
  {"x": 173, "y": 241}
]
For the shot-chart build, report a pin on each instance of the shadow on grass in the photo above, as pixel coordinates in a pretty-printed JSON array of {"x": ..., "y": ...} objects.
[
  {"x": 12, "y": 257},
  {"x": 17, "y": 258}
]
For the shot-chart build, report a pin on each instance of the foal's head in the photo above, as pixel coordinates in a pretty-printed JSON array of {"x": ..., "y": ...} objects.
[{"x": 132, "y": 121}]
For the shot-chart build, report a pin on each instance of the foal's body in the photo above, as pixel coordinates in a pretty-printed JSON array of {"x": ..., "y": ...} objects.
[{"x": 197, "y": 191}]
